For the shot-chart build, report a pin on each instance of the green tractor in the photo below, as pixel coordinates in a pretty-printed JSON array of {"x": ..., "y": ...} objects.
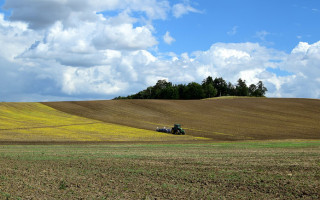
[{"x": 177, "y": 130}]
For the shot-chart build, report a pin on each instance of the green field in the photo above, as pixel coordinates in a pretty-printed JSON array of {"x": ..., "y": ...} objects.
[{"x": 242, "y": 170}]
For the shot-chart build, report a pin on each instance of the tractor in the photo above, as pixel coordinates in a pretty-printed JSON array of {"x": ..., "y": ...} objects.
[{"x": 177, "y": 130}]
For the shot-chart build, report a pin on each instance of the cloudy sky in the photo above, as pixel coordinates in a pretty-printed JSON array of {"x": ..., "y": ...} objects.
[{"x": 53, "y": 50}]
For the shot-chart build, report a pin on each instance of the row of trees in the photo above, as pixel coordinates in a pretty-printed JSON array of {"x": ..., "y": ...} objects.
[{"x": 208, "y": 88}]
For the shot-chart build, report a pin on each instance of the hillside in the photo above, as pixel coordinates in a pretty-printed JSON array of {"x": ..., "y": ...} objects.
[
  {"x": 218, "y": 119},
  {"x": 35, "y": 122}
]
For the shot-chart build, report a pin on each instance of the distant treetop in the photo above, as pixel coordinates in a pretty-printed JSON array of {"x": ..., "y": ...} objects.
[{"x": 209, "y": 88}]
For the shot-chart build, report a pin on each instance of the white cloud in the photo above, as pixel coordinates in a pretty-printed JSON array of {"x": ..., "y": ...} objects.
[
  {"x": 93, "y": 80},
  {"x": 15, "y": 37},
  {"x": 251, "y": 61},
  {"x": 167, "y": 38},
  {"x": 124, "y": 36},
  {"x": 301, "y": 49},
  {"x": 82, "y": 54},
  {"x": 303, "y": 62},
  {"x": 181, "y": 9},
  {"x": 42, "y": 14},
  {"x": 89, "y": 44}
]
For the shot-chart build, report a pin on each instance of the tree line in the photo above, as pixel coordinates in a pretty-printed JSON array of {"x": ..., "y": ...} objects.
[{"x": 208, "y": 88}]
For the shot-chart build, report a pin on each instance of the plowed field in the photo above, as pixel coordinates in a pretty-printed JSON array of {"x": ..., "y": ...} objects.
[
  {"x": 217, "y": 119},
  {"x": 35, "y": 122},
  {"x": 193, "y": 166}
]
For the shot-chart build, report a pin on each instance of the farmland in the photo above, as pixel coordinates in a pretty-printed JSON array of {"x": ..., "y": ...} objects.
[
  {"x": 135, "y": 120},
  {"x": 236, "y": 170},
  {"x": 235, "y": 148},
  {"x": 35, "y": 122},
  {"x": 218, "y": 119}
]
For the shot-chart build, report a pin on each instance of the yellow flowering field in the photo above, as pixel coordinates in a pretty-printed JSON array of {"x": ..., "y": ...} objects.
[{"x": 38, "y": 122}]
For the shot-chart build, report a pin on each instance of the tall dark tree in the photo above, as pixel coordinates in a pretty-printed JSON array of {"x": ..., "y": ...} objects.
[
  {"x": 231, "y": 89},
  {"x": 221, "y": 85},
  {"x": 158, "y": 89},
  {"x": 261, "y": 89},
  {"x": 161, "y": 84},
  {"x": 209, "y": 91},
  {"x": 208, "y": 81},
  {"x": 182, "y": 90},
  {"x": 257, "y": 90},
  {"x": 170, "y": 92},
  {"x": 252, "y": 90},
  {"x": 194, "y": 91},
  {"x": 208, "y": 88},
  {"x": 242, "y": 88}
]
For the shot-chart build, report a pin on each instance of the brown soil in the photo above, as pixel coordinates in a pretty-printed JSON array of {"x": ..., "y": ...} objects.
[
  {"x": 221, "y": 119},
  {"x": 159, "y": 172}
]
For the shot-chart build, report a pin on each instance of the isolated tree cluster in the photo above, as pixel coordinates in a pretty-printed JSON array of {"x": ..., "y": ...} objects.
[{"x": 208, "y": 88}]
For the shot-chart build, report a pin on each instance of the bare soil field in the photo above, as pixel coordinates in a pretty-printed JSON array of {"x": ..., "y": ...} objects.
[
  {"x": 218, "y": 119},
  {"x": 236, "y": 170}
]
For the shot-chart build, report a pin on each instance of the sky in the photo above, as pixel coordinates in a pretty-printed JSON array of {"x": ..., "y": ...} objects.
[{"x": 69, "y": 50}]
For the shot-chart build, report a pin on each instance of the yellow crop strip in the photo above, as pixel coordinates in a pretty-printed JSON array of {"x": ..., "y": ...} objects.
[{"x": 37, "y": 122}]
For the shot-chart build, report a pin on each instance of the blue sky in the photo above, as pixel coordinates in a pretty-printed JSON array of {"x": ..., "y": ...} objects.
[
  {"x": 273, "y": 23},
  {"x": 78, "y": 50}
]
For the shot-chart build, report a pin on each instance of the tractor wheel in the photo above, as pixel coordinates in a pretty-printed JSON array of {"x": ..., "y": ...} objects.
[
  {"x": 178, "y": 132},
  {"x": 183, "y": 133}
]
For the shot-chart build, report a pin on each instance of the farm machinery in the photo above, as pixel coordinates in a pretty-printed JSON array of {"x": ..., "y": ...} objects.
[{"x": 176, "y": 129}]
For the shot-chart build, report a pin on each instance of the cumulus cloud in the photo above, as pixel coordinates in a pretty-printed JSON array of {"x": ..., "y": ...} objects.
[
  {"x": 84, "y": 54},
  {"x": 42, "y": 14},
  {"x": 14, "y": 38},
  {"x": 90, "y": 43},
  {"x": 93, "y": 80},
  {"x": 167, "y": 38},
  {"x": 303, "y": 62}
]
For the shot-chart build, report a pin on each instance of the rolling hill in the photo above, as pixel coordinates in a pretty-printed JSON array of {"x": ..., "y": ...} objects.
[
  {"x": 35, "y": 122},
  {"x": 218, "y": 119}
]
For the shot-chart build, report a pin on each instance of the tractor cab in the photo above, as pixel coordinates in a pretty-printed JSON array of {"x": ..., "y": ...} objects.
[
  {"x": 177, "y": 126},
  {"x": 176, "y": 129}
]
